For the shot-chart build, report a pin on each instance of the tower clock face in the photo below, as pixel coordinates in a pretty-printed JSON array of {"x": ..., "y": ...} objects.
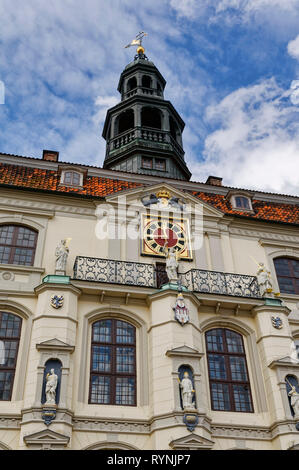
[{"x": 159, "y": 232}]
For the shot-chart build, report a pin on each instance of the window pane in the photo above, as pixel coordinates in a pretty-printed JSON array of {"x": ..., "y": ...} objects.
[
  {"x": 102, "y": 331},
  {"x": 220, "y": 397},
  {"x": 234, "y": 342},
  {"x": 282, "y": 266},
  {"x": 125, "y": 333},
  {"x": 6, "y": 234},
  {"x": 4, "y": 254},
  {"x": 295, "y": 266},
  {"x": 100, "y": 389},
  {"x": 286, "y": 285},
  {"x": 8, "y": 349},
  {"x": 215, "y": 341},
  {"x": 101, "y": 358},
  {"x": 125, "y": 360},
  {"x": 217, "y": 366},
  {"x": 23, "y": 256},
  {"x": 238, "y": 369},
  {"x": 25, "y": 237},
  {"x": 125, "y": 391},
  {"x": 68, "y": 177},
  {"x": 242, "y": 398},
  {"x": 242, "y": 202},
  {"x": 9, "y": 325},
  {"x": 6, "y": 380}
]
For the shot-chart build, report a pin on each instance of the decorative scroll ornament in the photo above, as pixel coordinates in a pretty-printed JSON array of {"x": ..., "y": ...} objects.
[
  {"x": 57, "y": 301},
  {"x": 277, "y": 322},
  {"x": 162, "y": 200},
  {"x": 181, "y": 312}
]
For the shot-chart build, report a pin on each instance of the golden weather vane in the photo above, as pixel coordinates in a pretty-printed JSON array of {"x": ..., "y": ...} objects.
[{"x": 138, "y": 42}]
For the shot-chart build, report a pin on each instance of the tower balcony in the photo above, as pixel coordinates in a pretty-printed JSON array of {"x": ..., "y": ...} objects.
[
  {"x": 145, "y": 275},
  {"x": 144, "y": 91},
  {"x": 146, "y": 137}
]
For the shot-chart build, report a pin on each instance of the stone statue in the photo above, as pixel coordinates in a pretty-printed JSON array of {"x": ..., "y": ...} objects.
[
  {"x": 52, "y": 381},
  {"x": 172, "y": 264},
  {"x": 294, "y": 400},
  {"x": 187, "y": 392},
  {"x": 61, "y": 253},
  {"x": 264, "y": 280}
]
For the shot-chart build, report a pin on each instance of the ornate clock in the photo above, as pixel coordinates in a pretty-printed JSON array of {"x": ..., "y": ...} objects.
[{"x": 159, "y": 231}]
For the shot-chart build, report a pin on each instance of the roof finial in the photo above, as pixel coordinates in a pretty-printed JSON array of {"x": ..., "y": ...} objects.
[{"x": 138, "y": 42}]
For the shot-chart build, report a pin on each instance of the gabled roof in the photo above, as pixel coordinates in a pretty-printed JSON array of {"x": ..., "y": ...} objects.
[{"x": 41, "y": 179}]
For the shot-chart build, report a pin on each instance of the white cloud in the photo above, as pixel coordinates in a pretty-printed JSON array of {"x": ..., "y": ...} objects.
[
  {"x": 293, "y": 48},
  {"x": 256, "y": 140}
]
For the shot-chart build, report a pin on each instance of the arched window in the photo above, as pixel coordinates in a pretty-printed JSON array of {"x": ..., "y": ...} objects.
[
  {"x": 151, "y": 117},
  {"x": 126, "y": 121},
  {"x": 228, "y": 374},
  {"x": 10, "y": 331},
  {"x": 17, "y": 245},
  {"x": 132, "y": 83},
  {"x": 72, "y": 178},
  {"x": 174, "y": 130},
  {"x": 113, "y": 363},
  {"x": 287, "y": 272},
  {"x": 146, "y": 81}
]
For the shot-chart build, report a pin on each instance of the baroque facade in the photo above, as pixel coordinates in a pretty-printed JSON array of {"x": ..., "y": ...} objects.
[{"x": 139, "y": 309}]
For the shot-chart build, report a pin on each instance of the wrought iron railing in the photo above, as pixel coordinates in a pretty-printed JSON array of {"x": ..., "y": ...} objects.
[
  {"x": 144, "y": 275},
  {"x": 213, "y": 282},
  {"x": 114, "y": 272}
]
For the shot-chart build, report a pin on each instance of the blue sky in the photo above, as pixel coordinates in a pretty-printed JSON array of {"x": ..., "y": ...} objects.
[{"x": 231, "y": 68}]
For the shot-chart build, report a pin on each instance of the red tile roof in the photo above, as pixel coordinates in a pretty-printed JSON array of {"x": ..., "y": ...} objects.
[{"x": 94, "y": 186}]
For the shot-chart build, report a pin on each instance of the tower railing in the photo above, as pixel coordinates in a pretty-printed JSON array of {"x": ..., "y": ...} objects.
[{"x": 145, "y": 275}]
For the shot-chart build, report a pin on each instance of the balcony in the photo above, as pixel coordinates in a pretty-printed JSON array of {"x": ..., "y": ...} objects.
[
  {"x": 145, "y": 275},
  {"x": 143, "y": 136}
]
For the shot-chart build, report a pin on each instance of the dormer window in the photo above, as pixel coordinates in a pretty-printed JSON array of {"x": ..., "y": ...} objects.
[
  {"x": 71, "y": 178},
  {"x": 240, "y": 201}
]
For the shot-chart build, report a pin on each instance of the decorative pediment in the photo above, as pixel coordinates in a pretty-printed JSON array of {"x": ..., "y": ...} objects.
[
  {"x": 54, "y": 345},
  {"x": 184, "y": 351},
  {"x": 46, "y": 440},
  {"x": 143, "y": 193},
  {"x": 191, "y": 442}
]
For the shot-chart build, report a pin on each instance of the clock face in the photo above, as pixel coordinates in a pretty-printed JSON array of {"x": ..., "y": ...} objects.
[{"x": 159, "y": 232}]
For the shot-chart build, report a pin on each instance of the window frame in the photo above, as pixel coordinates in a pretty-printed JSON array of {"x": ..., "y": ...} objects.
[
  {"x": 113, "y": 374},
  {"x": 293, "y": 278},
  {"x": 229, "y": 381},
  {"x": 17, "y": 340},
  {"x": 241, "y": 208},
  {"x": 14, "y": 246},
  {"x": 72, "y": 172}
]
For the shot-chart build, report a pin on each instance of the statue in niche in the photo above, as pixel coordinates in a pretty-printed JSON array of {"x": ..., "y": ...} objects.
[
  {"x": 187, "y": 391},
  {"x": 51, "y": 385},
  {"x": 294, "y": 395},
  {"x": 264, "y": 280},
  {"x": 61, "y": 253},
  {"x": 171, "y": 263}
]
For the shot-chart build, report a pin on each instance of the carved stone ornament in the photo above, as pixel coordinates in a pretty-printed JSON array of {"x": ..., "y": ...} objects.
[
  {"x": 277, "y": 322},
  {"x": 181, "y": 312},
  {"x": 57, "y": 301},
  {"x": 48, "y": 415},
  {"x": 191, "y": 421},
  {"x": 163, "y": 200}
]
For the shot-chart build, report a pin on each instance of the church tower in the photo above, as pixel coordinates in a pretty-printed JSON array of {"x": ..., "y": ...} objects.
[{"x": 143, "y": 132}]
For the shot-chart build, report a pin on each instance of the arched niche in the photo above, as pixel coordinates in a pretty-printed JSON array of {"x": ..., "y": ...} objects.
[
  {"x": 132, "y": 83},
  {"x": 125, "y": 121},
  {"x": 181, "y": 371},
  {"x": 56, "y": 365},
  {"x": 146, "y": 81},
  {"x": 151, "y": 117}
]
